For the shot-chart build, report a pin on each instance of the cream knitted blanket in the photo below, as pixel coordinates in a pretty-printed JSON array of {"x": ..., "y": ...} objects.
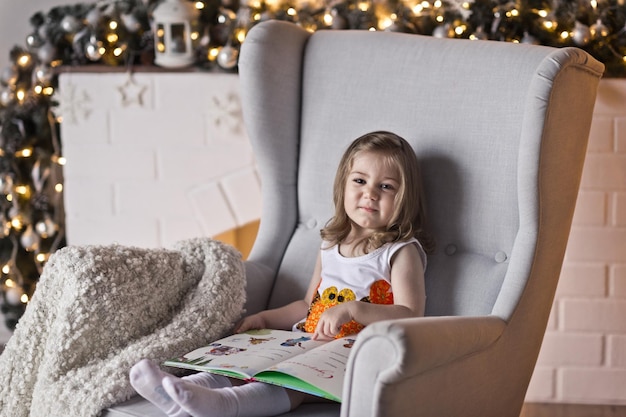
[{"x": 98, "y": 310}]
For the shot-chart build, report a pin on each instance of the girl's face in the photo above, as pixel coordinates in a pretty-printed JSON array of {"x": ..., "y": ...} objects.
[{"x": 371, "y": 188}]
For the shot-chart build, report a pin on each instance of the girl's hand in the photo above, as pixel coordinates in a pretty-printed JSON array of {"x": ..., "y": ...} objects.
[
  {"x": 331, "y": 320},
  {"x": 252, "y": 322}
]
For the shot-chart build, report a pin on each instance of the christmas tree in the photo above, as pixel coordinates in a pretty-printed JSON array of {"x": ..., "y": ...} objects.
[{"x": 118, "y": 33}]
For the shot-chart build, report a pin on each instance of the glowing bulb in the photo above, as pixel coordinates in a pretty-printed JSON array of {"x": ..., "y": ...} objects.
[
  {"x": 418, "y": 9},
  {"x": 38, "y": 89},
  {"x": 24, "y": 153},
  {"x": 24, "y": 298},
  {"x": 549, "y": 24},
  {"x": 5, "y": 270},
  {"x": 22, "y": 189},
  {"x": 512, "y": 13},
  {"x": 113, "y": 24},
  {"x": 542, "y": 13},
  {"x": 439, "y": 19},
  {"x": 240, "y": 35},
  {"x": 112, "y": 37},
  {"x": 199, "y": 5},
  {"x": 48, "y": 91},
  {"x": 61, "y": 160},
  {"x": 460, "y": 29},
  {"x": 594, "y": 4},
  {"x": 564, "y": 34},
  {"x": 23, "y": 60},
  {"x": 385, "y": 23},
  {"x": 58, "y": 187},
  {"x": 20, "y": 94},
  {"x": 438, "y": 3},
  {"x": 328, "y": 19},
  {"x": 16, "y": 223},
  {"x": 291, "y": 11},
  {"x": 364, "y": 6},
  {"x": 118, "y": 51},
  {"x": 213, "y": 53},
  {"x": 41, "y": 257}
]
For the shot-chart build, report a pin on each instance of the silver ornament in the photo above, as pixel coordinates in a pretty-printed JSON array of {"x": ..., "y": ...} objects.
[
  {"x": 47, "y": 53},
  {"x": 479, "y": 34},
  {"x": 131, "y": 23},
  {"x": 227, "y": 57},
  {"x": 598, "y": 30},
  {"x": 529, "y": 39},
  {"x": 33, "y": 41},
  {"x": 9, "y": 75},
  {"x": 70, "y": 24},
  {"x": 29, "y": 239},
  {"x": 93, "y": 17},
  {"x": 443, "y": 31},
  {"x": 13, "y": 296},
  {"x": 44, "y": 74},
  {"x": 226, "y": 16},
  {"x": 581, "y": 35},
  {"x": 92, "y": 51},
  {"x": 46, "y": 227},
  {"x": 338, "y": 21},
  {"x": 6, "y": 96},
  {"x": 42, "y": 31}
]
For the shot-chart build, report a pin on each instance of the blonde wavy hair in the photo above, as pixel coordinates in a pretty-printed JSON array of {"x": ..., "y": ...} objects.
[{"x": 409, "y": 216}]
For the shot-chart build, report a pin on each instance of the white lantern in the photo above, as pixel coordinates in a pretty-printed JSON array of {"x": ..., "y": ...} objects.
[{"x": 173, "y": 33}]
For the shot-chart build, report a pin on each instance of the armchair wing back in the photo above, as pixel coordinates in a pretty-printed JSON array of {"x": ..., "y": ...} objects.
[{"x": 501, "y": 132}]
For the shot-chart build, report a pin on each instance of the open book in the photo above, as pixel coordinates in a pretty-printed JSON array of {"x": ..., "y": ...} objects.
[{"x": 289, "y": 359}]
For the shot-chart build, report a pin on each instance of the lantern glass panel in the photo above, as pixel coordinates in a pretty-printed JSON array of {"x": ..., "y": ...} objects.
[
  {"x": 160, "y": 35},
  {"x": 179, "y": 36}
]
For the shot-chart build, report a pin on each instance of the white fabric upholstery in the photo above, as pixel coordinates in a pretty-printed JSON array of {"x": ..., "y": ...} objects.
[{"x": 501, "y": 132}]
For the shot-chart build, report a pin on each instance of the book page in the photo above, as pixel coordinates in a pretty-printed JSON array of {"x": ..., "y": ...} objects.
[
  {"x": 322, "y": 369},
  {"x": 243, "y": 355}
]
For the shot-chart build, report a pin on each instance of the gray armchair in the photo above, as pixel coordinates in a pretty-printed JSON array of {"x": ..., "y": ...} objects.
[{"x": 501, "y": 132}]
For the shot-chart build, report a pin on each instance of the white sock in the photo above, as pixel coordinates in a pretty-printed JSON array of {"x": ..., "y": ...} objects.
[
  {"x": 255, "y": 399},
  {"x": 146, "y": 378},
  {"x": 208, "y": 380}
]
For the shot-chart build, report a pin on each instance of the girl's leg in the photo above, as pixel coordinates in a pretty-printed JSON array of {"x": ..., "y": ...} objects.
[
  {"x": 146, "y": 378},
  {"x": 255, "y": 399}
]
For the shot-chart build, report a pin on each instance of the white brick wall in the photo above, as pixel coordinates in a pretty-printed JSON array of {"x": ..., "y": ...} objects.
[
  {"x": 583, "y": 357},
  {"x": 175, "y": 166}
]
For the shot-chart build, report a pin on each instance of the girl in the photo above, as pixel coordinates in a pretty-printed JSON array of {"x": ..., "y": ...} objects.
[{"x": 371, "y": 264}]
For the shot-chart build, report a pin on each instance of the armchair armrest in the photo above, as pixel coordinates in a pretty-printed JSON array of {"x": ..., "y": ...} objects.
[{"x": 394, "y": 352}]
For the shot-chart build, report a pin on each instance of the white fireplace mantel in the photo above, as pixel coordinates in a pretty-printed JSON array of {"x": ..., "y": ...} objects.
[{"x": 154, "y": 157}]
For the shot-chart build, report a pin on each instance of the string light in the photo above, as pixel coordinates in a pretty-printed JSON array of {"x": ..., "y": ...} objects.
[
  {"x": 24, "y": 60},
  {"x": 24, "y": 153},
  {"x": 21, "y": 95}
]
